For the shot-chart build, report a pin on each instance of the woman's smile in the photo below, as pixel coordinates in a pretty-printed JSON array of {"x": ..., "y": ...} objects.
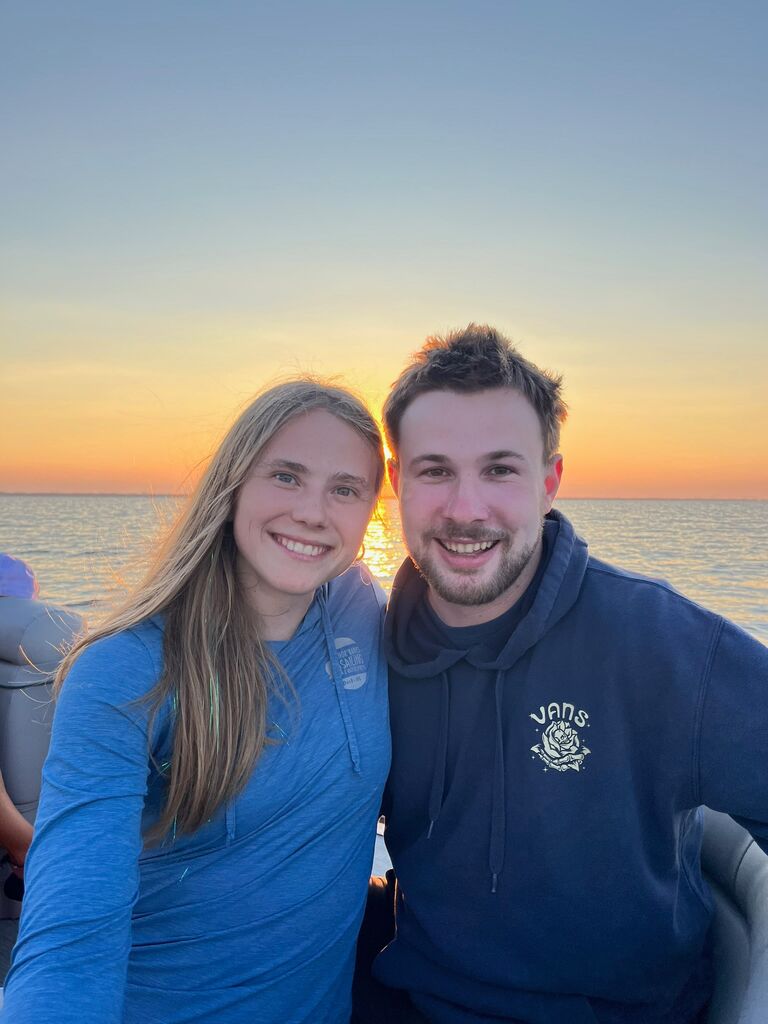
[{"x": 301, "y": 549}]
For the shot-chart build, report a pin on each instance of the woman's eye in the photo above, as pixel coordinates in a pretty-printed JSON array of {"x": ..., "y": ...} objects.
[{"x": 285, "y": 478}]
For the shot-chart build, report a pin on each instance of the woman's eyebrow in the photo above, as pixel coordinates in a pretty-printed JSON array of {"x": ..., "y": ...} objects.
[
  {"x": 299, "y": 469},
  {"x": 294, "y": 467}
]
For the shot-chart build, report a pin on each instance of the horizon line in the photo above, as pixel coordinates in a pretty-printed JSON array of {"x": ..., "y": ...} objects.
[{"x": 392, "y": 497}]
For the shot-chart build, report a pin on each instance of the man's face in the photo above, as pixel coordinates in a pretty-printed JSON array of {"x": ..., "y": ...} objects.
[{"x": 473, "y": 490}]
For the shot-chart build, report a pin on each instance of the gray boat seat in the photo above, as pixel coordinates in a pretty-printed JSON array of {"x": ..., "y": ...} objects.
[
  {"x": 33, "y": 638},
  {"x": 737, "y": 871}
]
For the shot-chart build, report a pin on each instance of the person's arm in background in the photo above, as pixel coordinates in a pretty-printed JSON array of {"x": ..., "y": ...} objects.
[{"x": 15, "y": 831}]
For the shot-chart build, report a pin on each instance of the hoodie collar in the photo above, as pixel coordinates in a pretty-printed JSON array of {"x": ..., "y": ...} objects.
[{"x": 557, "y": 591}]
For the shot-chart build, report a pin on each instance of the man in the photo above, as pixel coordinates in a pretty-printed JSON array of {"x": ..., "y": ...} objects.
[{"x": 557, "y": 723}]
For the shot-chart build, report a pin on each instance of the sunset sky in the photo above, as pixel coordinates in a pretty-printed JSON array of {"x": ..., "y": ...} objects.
[{"x": 200, "y": 197}]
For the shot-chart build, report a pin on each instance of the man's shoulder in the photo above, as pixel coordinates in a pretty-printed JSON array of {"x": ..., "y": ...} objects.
[
  {"x": 603, "y": 572},
  {"x": 628, "y": 594}
]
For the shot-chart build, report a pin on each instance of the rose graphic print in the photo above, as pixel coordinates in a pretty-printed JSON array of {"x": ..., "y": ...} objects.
[{"x": 560, "y": 747}]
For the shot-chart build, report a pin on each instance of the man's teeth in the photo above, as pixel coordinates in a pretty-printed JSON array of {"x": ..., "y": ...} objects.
[
  {"x": 468, "y": 549},
  {"x": 301, "y": 549}
]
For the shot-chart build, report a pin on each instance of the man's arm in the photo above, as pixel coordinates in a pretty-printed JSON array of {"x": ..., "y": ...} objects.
[{"x": 732, "y": 761}]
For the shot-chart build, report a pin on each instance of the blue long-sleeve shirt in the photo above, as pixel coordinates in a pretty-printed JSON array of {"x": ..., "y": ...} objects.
[{"x": 252, "y": 918}]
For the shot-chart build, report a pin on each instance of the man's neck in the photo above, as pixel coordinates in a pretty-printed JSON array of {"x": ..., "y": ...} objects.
[{"x": 457, "y": 615}]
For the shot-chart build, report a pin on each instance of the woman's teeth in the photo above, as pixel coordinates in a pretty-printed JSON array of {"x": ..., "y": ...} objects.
[{"x": 301, "y": 549}]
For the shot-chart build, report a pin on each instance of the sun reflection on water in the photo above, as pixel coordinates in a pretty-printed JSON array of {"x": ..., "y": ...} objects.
[{"x": 713, "y": 551}]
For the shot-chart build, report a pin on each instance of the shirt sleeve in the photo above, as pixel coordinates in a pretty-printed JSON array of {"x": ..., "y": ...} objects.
[
  {"x": 81, "y": 876},
  {"x": 733, "y": 739}
]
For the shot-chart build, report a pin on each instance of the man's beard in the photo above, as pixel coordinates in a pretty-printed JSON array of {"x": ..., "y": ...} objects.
[{"x": 462, "y": 588}]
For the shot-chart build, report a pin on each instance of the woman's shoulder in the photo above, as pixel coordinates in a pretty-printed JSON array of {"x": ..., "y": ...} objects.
[
  {"x": 121, "y": 667},
  {"x": 358, "y": 585}
]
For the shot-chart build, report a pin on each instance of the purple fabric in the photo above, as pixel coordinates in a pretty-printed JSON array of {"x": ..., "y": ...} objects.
[{"x": 16, "y": 578}]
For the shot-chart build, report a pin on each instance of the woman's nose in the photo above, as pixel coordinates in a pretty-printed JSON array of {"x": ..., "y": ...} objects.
[{"x": 310, "y": 508}]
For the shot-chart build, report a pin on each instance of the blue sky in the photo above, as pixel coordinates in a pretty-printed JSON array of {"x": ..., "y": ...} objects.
[{"x": 322, "y": 184}]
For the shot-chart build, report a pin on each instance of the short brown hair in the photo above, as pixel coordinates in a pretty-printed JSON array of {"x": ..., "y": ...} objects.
[{"x": 475, "y": 359}]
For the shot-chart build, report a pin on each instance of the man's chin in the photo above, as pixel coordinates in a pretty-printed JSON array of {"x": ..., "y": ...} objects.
[
  {"x": 470, "y": 589},
  {"x": 459, "y": 588},
  {"x": 466, "y": 597}
]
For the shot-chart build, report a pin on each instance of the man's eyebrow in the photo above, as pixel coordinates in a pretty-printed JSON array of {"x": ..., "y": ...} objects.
[
  {"x": 505, "y": 453},
  {"x": 442, "y": 459}
]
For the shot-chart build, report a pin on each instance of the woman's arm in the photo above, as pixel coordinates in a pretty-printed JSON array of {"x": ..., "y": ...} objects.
[{"x": 71, "y": 959}]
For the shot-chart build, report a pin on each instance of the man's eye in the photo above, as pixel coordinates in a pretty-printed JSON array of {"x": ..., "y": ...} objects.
[
  {"x": 285, "y": 478},
  {"x": 434, "y": 472},
  {"x": 346, "y": 492},
  {"x": 502, "y": 471}
]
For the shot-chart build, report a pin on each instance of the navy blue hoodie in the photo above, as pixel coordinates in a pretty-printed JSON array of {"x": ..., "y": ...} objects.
[{"x": 542, "y": 803}]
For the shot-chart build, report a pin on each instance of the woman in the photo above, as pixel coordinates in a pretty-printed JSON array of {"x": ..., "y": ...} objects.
[{"x": 207, "y": 820}]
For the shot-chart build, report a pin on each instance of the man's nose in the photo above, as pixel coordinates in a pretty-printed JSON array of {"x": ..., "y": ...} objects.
[{"x": 466, "y": 502}]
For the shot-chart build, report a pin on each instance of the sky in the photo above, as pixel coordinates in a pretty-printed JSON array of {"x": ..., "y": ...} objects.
[{"x": 199, "y": 198}]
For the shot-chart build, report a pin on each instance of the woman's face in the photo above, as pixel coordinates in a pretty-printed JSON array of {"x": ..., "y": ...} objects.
[{"x": 301, "y": 514}]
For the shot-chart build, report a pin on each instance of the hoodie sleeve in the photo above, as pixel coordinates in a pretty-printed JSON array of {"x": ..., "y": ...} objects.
[
  {"x": 70, "y": 962},
  {"x": 733, "y": 738}
]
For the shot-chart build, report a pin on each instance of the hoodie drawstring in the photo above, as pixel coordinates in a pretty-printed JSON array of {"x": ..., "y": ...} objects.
[
  {"x": 341, "y": 694},
  {"x": 441, "y": 756},
  {"x": 498, "y": 811},
  {"x": 498, "y": 833},
  {"x": 423, "y": 655}
]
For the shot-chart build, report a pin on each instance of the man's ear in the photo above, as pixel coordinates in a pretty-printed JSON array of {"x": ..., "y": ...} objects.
[
  {"x": 394, "y": 474},
  {"x": 552, "y": 480}
]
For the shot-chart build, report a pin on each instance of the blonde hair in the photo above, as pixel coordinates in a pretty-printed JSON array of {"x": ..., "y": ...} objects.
[{"x": 217, "y": 669}]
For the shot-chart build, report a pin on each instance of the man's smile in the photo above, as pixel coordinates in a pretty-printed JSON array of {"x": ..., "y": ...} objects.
[
  {"x": 465, "y": 554},
  {"x": 467, "y": 547}
]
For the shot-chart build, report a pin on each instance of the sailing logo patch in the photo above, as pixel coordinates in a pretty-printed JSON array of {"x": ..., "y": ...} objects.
[
  {"x": 351, "y": 663},
  {"x": 561, "y": 746}
]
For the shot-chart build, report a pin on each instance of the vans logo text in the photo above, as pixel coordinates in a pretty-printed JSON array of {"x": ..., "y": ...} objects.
[{"x": 561, "y": 747}]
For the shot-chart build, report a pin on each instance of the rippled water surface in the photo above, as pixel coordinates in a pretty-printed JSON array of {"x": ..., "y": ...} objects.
[{"x": 85, "y": 547}]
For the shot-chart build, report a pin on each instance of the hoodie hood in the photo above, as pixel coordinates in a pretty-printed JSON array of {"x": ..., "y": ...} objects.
[{"x": 419, "y": 658}]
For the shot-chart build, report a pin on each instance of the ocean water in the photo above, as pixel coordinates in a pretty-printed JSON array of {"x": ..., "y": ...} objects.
[{"x": 85, "y": 549}]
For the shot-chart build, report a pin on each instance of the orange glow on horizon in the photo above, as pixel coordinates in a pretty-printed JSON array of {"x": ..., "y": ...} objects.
[{"x": 615, "y": 444}]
